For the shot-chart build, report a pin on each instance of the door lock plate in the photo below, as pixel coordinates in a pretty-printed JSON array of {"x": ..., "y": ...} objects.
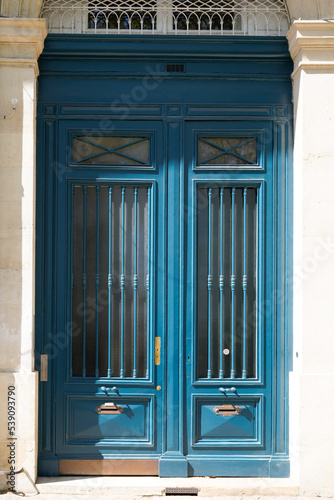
[
  {"x": 157, "y": 350},
  {"x": 43, "y": 376}
]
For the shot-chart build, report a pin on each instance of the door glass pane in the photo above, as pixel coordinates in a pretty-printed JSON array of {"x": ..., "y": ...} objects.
[
  {"x": 227, "y": 282},
  {"x": 137, "y": 15},
  {"x": 112, "y": 151},
  {"x": 110, "y": 282},
  {"x": 232, "y": 151}
]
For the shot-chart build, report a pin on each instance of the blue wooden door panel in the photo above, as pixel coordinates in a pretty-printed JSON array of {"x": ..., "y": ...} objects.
[
  {"x": 130, "y": 426},
  {"x": 230, "y": 334},
  {"x": 122, "y": 370}
]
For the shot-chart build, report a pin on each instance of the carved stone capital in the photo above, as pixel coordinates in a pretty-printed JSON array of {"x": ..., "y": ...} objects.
[
  {"x": 311, "y": 45},
  {"x": 21, "y": 41}
]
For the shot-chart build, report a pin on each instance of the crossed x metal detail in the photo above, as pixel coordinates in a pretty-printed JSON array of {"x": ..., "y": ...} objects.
[
  {"x": 112, "y": 150},
  {"x": 228, "y": 151}
]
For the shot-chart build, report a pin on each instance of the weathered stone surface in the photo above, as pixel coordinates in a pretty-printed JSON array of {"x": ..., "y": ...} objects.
[
  {"x": 21, "y": 8},
  {"x": 311, "y": 9}
]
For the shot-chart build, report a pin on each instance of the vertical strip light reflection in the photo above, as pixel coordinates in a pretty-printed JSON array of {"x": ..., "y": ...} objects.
[
  {"x": 109, "y": 284},
  {"x": 148, "y": 278},
  {"x": 221, "y": 284},
  {"x": 135, "y": 286},
  {"x": 97, "y": 286},
  {"x": 122, "y": 285},
  {"x": 209, "y": 283},
  {"x": 233, "y": 284},
  {"x": 244, "y": 288},
  {"x": 84, "y": 282}
]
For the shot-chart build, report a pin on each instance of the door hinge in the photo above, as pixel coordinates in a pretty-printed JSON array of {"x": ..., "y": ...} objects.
[
  {"x": 43, "y": 374},
  {"x": 157, "y": 350}
]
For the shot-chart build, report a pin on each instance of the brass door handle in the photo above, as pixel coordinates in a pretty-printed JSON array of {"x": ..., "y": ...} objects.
[
  {"x": 227, "y": 410},
  {"x": 109, "y": 409}
]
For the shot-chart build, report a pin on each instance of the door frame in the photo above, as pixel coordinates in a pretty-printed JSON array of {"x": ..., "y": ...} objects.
[{"x": 262, "y": 61}]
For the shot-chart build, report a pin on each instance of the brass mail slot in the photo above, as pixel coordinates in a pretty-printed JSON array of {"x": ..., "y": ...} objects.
[
  {"x": 227, "y": 410},
  {"x": 109, "y": 409}
]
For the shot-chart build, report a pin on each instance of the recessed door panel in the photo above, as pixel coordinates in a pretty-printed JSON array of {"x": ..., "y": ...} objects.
[
  {"x": 236, "y": 422},
  {"x": 123, "y": 422}
]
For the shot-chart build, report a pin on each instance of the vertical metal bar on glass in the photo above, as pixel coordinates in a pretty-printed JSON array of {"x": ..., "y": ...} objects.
[
  {"x": 135, "y": 285},
  {"x": 122, "y": 285},
  {"x": 97, "y": 285},
  {"x": 72, "y": 281},
  {"x": 84, "y": 281},
  {"x": 209, "y": 374},
  {"x": 221, "y": 285},
  {"x": 244, "y": 287},
  {"x": 109, "y": 281},
  {"x": 233, "y": 285}
]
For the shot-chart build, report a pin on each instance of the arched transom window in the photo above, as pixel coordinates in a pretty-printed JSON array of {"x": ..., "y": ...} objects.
[{"x": 178, "y": 17}]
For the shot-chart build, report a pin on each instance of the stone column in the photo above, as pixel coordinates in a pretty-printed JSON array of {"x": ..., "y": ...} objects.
[
  {"x": 21, "y": 43},
  {"x": 312, "y": 50}
]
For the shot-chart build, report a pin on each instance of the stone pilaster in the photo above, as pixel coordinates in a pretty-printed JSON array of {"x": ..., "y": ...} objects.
[
  {"x": 21, "y": 42},
  {"x": 312, "y": 49}
]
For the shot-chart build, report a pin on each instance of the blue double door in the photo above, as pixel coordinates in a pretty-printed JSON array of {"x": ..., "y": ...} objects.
[{"x": 165, "y": 235}]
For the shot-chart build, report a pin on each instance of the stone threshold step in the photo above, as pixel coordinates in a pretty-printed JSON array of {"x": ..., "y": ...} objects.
[
  {"x": 137, "y": 487},
  {"x": 50, "y": 496}
]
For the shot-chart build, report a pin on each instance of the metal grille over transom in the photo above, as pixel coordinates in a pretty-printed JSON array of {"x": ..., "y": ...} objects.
[
  {"x": 227, "y": 282},
  {"x": 110, "y": 281},
  {"x": 216, "y": 17}
]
